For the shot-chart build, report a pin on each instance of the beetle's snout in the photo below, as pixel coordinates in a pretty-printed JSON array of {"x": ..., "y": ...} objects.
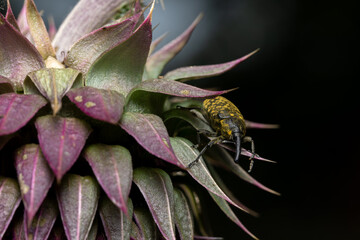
[{"x": 238, "y": 146}]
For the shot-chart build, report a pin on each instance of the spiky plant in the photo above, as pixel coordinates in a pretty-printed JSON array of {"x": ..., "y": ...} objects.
[{"x": 85, "y": 149}]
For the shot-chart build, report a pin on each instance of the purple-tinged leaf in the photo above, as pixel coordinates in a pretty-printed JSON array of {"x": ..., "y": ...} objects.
[
  {"x": 150, "y": 132},
  {"x": 16, "y": 110},
  {"x": 5, "y": 85},
  {"x": 86, "y": 50},
  {"x": 230, "y": 165},
  {"x": 250, "y": 124},
  {"x": 19, "y": 229},
  {"x": 101, "y": 104},
  {"x": 156, "y": 42},
  {"x": 135, "y": 232},
  {"x": 186, "y": 154},
  {"x": 173, "y": 88},
  {"x": 156, "y": 187},
  {"x": 112, "y": 167},
  {"x": 61, "y": 141},
  {"x": 21, "y": 56},
  {"x": 122, "y": 67},
  {"x": 22, "y": 23},
  {"x": 145, "y": 223},
  {"x": 224, "y": 187},
  {"x": 189, "y": 117},
  {"x": 183, "y": 216},
  {"x": 44, "y": 220},
  {"x": 38, "y": 30},
  {"x": 195, "y": 203},
  {"x": 34, "y": 176},
  {"x": 53, "y": 83},
  {"x": 10, "y": 16},
  {"x": 10, "y": 198},
  {"x": 116, "y": 224},
  {"x": 93, "y": 231},
  {"x": 224, "y": 206},
  {"x": 196, "y": 72},
  {"x": 84, "y": 18},
  {"x": 78, "y": 199},
  {"x": 159, "y": 59},
  {"x": 52, "y": 27},
  {"x": 207, "y": 238}
]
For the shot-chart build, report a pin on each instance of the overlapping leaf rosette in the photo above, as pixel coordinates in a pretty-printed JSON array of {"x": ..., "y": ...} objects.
[{"x": 85, "y": 117}]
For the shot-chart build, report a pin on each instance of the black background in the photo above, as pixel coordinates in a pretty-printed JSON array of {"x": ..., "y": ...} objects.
[{"x": 303, "y": 78}]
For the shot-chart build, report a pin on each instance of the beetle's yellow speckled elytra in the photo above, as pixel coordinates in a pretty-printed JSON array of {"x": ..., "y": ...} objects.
[{"x": 228, "y": 124}]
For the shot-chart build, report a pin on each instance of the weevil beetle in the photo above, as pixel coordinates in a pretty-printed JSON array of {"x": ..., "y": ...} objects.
[{"x": 228, "y": 124}]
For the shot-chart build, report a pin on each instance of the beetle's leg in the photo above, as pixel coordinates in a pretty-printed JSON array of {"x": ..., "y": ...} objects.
[
  {"x": 206, "y": 133},
  {"x": 212, "y": 142},
  {"x": 249, "y": 139}
]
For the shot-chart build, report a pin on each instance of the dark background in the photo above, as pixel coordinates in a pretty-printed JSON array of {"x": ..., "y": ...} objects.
[{"x": 303, "y": 78}]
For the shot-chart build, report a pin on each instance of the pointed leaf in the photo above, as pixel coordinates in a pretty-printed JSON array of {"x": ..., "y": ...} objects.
[
  {"x": 94, "y": 230},
  {"x": 116, "y": 224},
  {"x": 112, "y": 167},
  {"x": 44, "y": 220},
  {"x": 10, "y": 198},
  {"x": 54, "y": 83},
  {"x": 186, "y": 154},
  {"x": 38, "y": 30},
  {"x": 238, "y": 170},
  {"x": 224, "y": 206},
  {"x": 86, "y": 50},
  {"x": 5, "y": 85},
  {"x": 61, "y": 141},
  {"x": 156, "y": 187},
  {"x": 250, "y": 124},
  {"x": 78, "y": 199},
  {"x": 34, "y": 176},
  {"x": 122, "y": 67},
  {"x": 189, "y": 117},
  {"x": 150, "y": 132},
  {"x": 183, "y": 216},
  {"x": 21, "y": 56},
  {"x": 16, "y": 110},
  {"x": 174, "y": 89},
  {"x": 156, "y": 42},
  {"x": 84, "y": 17},
  {"x": 10, "y": 16},
  {"x": 135, "y": 232},
  {"x": 146, "y": 223},
  {"x": 101, "y": 104},
  {"x": 196, "y": 72},
  {"x": 19, "y": 229},
  {"x": 159, "y": 59}
]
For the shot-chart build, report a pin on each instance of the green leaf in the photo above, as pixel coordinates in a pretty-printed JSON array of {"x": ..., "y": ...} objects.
[
  {"x": 104, "y": 105},
  {"x": 113, "y": 169},
  {"x": 156, "y": 187},
  {"x": 86, "y": 50},
  {"x": 183, "y": 216},
  {"x": 150, "y": 132},
  {"x": 61, "y": 141},
  {"x": 145, "y": 223},
  {"x": 44, "y": 220},
  {"x": 78, "y": 199},
  {"x": 53, "y": 83},
  {"x": 196, "y": 72},
  {"x": 5, "y": 85},
  {"x": 27, "y": 59},
  {"x": 10, "y": 198},
  {"x": 159, "y": 59},
  {"x": 34, "y": 176},
  {"x": 224, "y": 206},
  {"x": 117, "y": 224},
  {"x": 186, "y": 154},
  {"x": 122, "y": 67},
  {"x": 38, "y": 30}
]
